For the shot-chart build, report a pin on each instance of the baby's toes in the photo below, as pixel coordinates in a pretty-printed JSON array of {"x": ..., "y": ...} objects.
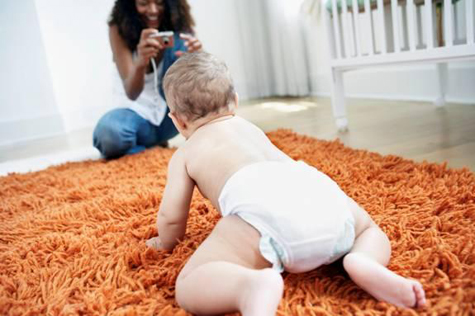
[
  {"x": 152, "y": 243},
  {"x": 420, "y": 294}
]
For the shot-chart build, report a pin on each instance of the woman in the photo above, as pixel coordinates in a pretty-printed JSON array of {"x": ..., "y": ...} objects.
[{"x": 142, "y": 60}]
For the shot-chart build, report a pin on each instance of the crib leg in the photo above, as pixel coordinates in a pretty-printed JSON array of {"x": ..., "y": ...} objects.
[
  {"x": 338, "y": 101},
  {"x": 442, "y": 74}
]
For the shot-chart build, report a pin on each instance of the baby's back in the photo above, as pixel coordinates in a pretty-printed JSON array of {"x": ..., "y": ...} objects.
[{"x": 219, "y": 149}]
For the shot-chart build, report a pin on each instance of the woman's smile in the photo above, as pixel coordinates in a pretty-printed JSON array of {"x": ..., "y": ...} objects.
[
  {"x": 150, "y": 11},
  {"x": 152, "y": 21}
]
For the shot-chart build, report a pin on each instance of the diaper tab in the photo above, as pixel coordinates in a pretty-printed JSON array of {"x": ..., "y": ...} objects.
[
  {"x": 345, "y": 240},
  {"x": 272, "y": 252}
]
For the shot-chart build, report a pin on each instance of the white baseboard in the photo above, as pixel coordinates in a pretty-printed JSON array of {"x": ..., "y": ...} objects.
[
  {"x": 16, "y": 131},
  {"x": 19, "y": 131}
]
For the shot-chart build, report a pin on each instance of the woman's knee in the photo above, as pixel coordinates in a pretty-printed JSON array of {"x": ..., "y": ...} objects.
[{"x": 110, "y": 137}]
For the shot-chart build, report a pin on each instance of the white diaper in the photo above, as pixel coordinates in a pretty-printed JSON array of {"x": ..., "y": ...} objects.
[{"x": 302, "y": 215}]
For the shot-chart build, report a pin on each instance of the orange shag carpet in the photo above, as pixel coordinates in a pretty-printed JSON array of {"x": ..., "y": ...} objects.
[{"x": 72, "y": 237}]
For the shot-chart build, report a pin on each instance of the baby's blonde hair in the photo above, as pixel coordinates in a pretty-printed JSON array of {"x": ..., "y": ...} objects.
[{"x": 198, "y": 84}]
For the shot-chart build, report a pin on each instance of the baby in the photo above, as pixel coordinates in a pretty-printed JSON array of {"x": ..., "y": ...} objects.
[{"x": 278, "y": 214}]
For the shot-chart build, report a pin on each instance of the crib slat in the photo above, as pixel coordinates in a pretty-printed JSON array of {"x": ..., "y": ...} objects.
[
  {"x": 336, "y": 29},
  {"x": 345, "y": 31},
  {"x": 395, "y": 18},
  {"x": 411, "y": 24},
  {"x": 429, "y": 28},
  {"x": 448, "y": 24},
  {"x": 382, "y": 27},
  {"x": 356, "y": 21},
  {"x": 470, "y": 26},
  {"x": 368, "y": 16}
]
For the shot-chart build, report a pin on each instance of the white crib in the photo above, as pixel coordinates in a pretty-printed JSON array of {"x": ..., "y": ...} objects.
[{"x": 395, "y": 33}]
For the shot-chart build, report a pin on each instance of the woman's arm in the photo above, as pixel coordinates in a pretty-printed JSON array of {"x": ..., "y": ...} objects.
[{"x": 132, "y": 71}]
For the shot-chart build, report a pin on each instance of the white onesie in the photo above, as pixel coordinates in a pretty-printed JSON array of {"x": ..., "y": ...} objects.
[{"x": 302, "y": 215}]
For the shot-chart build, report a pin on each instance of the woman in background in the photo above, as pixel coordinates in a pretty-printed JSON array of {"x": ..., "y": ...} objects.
[{"x": 142, "y": 60}]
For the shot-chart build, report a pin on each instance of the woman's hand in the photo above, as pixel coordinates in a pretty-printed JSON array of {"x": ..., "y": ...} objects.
[
  {"x": 148, "y": 47},
  {"x": 191, "y": 42}
]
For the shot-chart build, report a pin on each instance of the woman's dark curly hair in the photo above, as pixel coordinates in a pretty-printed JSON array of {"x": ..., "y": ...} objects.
[{"x": 176, "y": 18}]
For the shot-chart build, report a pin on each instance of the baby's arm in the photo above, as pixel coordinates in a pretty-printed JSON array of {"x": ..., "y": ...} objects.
[{"x": 175, "y": 205}]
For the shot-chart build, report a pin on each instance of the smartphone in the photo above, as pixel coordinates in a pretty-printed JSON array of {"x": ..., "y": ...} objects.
[{"x": 164, "y": 38}]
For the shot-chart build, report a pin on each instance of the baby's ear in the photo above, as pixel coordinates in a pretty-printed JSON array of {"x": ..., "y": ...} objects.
[
  {"x": 236, "y": 100},
  {"x": 232, "y": 106},
  {"x": 179, "y": 123}
]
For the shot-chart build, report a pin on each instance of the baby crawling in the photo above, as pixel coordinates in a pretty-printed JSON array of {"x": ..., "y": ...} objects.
[{"x": 278, "y": 214}]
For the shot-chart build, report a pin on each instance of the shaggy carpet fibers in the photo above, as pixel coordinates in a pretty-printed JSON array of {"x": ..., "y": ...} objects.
[{"x": 72, "y": 237}]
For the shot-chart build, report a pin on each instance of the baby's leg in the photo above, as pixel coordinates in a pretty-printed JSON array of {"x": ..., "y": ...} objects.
[
  {"x": 366, "y": 265},
  {"x": 227, "y": 274}
]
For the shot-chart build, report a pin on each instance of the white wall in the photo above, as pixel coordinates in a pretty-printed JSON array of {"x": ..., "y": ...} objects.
[
  {"x": 27, "y": 101},
  {"x": 217, "y": 28},
  {"x": 56, "y": 67},
  {"x": 79, "y": 57}
]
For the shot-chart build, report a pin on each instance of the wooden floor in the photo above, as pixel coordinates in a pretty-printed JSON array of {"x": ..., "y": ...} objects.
[{"x": 414, "y": 130}]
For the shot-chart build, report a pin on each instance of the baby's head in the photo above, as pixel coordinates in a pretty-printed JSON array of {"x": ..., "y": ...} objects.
[{"x": 198, "y": 87}]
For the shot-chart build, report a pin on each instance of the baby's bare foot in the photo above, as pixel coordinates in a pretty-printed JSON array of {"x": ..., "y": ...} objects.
[
  {"x": 382, "y": 283},
  {"x": 263, "y": 294}
]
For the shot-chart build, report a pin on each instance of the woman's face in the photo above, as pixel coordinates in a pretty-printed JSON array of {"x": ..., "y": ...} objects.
[{"x": 151, "y": 11}]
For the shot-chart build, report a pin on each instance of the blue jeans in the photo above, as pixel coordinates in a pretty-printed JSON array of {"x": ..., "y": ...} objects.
[{"x": 122, "y": 131}]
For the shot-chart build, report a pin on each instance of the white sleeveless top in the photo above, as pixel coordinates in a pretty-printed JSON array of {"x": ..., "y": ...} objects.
[{"x": 150, "y": 104}]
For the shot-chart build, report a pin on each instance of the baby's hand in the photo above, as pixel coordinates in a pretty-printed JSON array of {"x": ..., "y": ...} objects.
[{"x": 154, "y": 243}]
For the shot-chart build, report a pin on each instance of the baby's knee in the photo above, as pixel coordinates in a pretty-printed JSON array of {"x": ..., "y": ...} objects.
[
  {"x": 181, "y": 291},
  {"x": 352, "y": 263},
  {"x": 348, "y": 262}
]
